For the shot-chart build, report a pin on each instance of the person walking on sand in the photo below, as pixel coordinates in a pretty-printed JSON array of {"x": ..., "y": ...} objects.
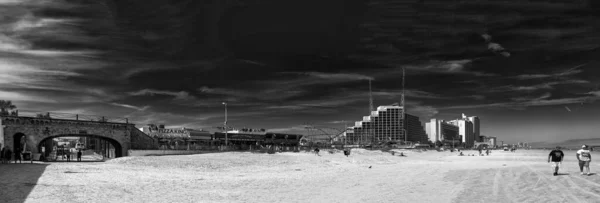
[
  {"x": 556, "y": 156},
  {"x": 79, "y": 156},
  {"x": 317, "y": 151},
  {"x": 585, "y": 157}
]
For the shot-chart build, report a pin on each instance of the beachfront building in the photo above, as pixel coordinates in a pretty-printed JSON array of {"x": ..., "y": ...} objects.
[
  {"x": 414, "y": 129},
  {"x": 476, "y": 125},
  {"x": 440, "y": 130},
  {"x": 493, "y": 141},
  {"x": 384, "y": 124},
  {"x": 465, "y": 130},
  {"x": 489, "y": 139}
]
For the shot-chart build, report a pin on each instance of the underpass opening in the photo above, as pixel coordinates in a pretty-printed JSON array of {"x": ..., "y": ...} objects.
[
  {"x": 18, "y": 142},
  {"x": 92, "y": 147}
]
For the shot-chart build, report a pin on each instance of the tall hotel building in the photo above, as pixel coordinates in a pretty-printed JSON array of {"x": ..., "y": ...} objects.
[
  {"x": 465, "y": 130},
  {"x": 414, "y": 129},
  {"x": 440, "y": 130},
  {"x": 476, "y": 132},
  {"x": 387, "y": 124}
]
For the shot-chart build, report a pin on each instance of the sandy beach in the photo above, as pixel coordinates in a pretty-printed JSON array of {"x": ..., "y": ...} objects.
[{"x": 365, "y": 176}]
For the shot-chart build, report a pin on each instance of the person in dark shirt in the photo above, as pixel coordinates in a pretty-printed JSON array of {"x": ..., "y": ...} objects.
[
  {"x": 18, "y": 155},
  {"x": 7, "y": 156},
  {"x": 2, "y": 155},
  {"x": 68, "y": 155},
  {"x": 79, "y": 155},
  {"x": 556, "y": 156}
]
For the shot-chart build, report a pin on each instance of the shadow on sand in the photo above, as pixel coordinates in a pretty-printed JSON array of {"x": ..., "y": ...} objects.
[
  {"x": 18, "y": 180},
  {"x": 562, "y": 174}
]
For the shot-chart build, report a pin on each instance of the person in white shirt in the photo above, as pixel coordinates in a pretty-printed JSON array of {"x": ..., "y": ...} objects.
[{"x": 585, "y": 157}]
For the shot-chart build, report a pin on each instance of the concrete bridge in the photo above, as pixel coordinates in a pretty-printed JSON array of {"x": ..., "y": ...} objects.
[{"x": 33, "y": 132}]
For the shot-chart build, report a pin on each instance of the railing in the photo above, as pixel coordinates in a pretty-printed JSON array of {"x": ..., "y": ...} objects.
[{"x": 69, "y": 116}]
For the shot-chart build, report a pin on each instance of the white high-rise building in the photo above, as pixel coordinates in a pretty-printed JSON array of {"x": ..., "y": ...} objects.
[
  {"x": 465, "y": 130},
  {"x": 439, "y": 130}
]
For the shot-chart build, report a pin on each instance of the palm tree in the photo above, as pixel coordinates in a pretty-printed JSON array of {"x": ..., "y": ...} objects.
[{"x": 6, "y": 105}]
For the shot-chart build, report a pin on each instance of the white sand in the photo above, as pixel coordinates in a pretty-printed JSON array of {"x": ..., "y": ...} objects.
[{"x": 430, "y": 176}]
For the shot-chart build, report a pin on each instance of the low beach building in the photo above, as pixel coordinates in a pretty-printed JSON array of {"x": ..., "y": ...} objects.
[{"x": 177, "y": 138}]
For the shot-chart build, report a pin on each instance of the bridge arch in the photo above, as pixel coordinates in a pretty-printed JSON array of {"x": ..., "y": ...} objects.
[
  {"x": 44, "y": 142},
  {"x": 19, "y": 138}
]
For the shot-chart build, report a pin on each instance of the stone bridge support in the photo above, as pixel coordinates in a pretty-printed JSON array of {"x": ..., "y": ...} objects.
[{"x": 35, "y": 130}]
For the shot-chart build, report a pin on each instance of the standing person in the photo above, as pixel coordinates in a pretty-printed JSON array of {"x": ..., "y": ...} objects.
[
  {"x": 2, "y": 155},
  {"x": 556, "y": 156},
  {"x": 17, "y": 155},
  {"x": 68, "y": 156},
  {"x": 7, "y": 156},
  {"x": 79, "y": 156},
  {"x": 585, "y": 157}
]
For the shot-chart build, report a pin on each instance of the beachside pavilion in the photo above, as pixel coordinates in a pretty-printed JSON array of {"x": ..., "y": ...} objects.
[
  {"x": 178, "y": 138},
  {"x": 248, "y": 140}
]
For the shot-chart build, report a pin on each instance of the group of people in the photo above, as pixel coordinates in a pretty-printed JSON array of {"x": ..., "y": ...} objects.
[
  {"x": 487, "y": 153},
  {"x": 584, "y": 156},
  {"x": 68, "y": 156},
  {"x": 6, "y": 155}
]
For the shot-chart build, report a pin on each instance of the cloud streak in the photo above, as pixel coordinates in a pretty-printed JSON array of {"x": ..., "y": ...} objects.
[
  {"x": 131, "y": 106},
  {"x": 448, "y": 67},
  {"x": 334, "y": 76},
  {"x": 151, "y": 92},
  {"x": 523, "y": 103},
  {"x": 542, "y": 86},
  {"x": 571, "y": 71}
]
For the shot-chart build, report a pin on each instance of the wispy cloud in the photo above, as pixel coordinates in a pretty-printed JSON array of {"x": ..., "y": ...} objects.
[
  {"x": 17, "y": 96},
  {"x": 177, "y": 95},
  {"x": 131, "y": 106},
  {"x": 409, "y": 93},
  {"x": 334, "y": 76},
  {"x": 223, "y": 91},
  {"x": 323, "y": 105},
  {"x": 546, "y": 86},
  {"x": 421, "y": 110},
  {"x": 571, "y": 71},
  {"x": 476, "y": 97},
  {"x": 523, "y": 103},
  {"x": 145, "y": 117},
  {"x": 448, "y": 67},
  {"x": 521, "y": 99}
]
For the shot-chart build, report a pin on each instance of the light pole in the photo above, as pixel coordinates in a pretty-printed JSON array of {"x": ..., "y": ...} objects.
[{"x": 225, "y": 123}]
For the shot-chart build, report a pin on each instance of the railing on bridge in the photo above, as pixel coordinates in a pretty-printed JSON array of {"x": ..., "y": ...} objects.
[{"x": 69, "y": 116}]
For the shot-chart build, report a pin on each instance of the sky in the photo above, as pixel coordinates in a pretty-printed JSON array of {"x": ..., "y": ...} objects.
[{"x": 528, "y": 69}]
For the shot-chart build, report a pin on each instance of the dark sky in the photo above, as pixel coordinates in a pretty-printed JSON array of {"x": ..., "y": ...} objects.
[{"x": 528, "y": 69}]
